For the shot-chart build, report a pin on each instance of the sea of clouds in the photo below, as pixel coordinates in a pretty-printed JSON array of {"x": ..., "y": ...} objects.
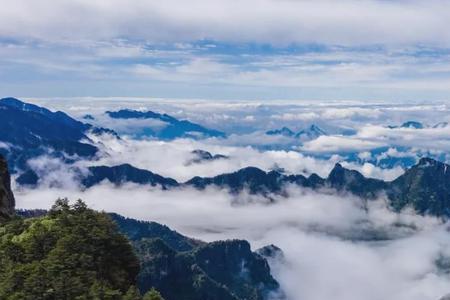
[{"x": 335, "y": 246}]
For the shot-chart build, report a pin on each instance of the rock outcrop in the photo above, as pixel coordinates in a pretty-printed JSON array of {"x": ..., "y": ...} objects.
[{"x": 7, "y": 202}]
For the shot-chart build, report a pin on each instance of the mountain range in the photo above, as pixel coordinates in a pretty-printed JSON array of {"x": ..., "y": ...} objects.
[
  {"x": 173, "y": 128},
  {"x": 310, "y": 133},
  {"x": 29, "y": 130},
  {"x": 419, "y": 125},
  {"x": 424, "y": 187}
]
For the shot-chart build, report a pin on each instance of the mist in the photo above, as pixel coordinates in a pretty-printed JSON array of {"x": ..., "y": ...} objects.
[{"x": 334, "y": 246}]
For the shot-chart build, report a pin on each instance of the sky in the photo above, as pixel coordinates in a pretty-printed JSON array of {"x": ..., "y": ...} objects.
[{"x": 226, "y": 49}]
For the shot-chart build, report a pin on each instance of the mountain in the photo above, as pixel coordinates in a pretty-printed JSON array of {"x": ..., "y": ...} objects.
[
  {"x": 343, "y": 179},
  {"x": 283, "y": 131},
  {"x": 136, "y": 230},
  {"x": 254, "y": 179},
  {"x": 310, "y": 133},
  {"x": 7, "y": 201},
  {"x": 204, "y": 156},
  {"x": 28, "y": 178},
  {"x": 270, "y": 252},
  {"x": 440, "y": 125},
  {"x": 184, "y": 268},
  {"x": 412, "y": 124},
  {"x": 88, "y": 117},
  {"x": 125, "y": 173},
  {"x": 174, "y": 128},
  {"x": 425, "y": 186},
  {"x": 30, "y": 131},
  {"x": 409, "y": 124},
  {"x": 226, "y": 270}
]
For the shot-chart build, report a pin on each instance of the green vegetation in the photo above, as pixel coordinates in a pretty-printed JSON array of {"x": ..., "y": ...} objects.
[
  {"x": 152, "y": 295},
  {"x": 226, "y": 270},
  {"x": 71, "y": 253}
]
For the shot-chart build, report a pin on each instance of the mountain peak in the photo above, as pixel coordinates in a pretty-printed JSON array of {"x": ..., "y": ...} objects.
[
  {"x": 174, "y": 128},
  {"x": 11, "y": 100},
  {"x": 312, "y": 132},
  {"x": 412, "y": 124},
  {"x": 427, "y": 161},
  {"x": 284, "y": 131},
  {"x": 314, "y": 127}
]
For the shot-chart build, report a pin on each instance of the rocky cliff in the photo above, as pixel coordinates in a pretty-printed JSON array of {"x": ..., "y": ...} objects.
[{"x": 7, "y": 202}]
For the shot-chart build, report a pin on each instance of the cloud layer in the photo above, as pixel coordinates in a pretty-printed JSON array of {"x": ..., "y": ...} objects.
[
  {"x": 348, "y": 22},
  {"x": 221, "y": 49},
  {"x": 325, "y": 238},
  {"x": 336, "y": 246}
]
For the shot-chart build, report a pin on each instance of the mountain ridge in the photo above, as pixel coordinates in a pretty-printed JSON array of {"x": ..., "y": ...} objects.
[
  {"x": 413, "y": 188},
  {"x": 175, "y": 128},
  {"x": 30, "y": 131}
]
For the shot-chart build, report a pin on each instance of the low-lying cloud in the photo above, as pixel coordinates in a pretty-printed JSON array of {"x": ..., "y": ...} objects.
[{"x": 334, "y": 246}]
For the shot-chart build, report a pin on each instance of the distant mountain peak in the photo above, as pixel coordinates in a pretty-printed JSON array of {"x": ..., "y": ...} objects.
[
  {"x": 309, "y": 133},
  {"x": 175, "y": 128},
  {"x": 312, "y": 132},
  {"x": 201, "y": 156},
  {"x": 441, "y": 125},
  {"x": 125, "y": 173},
  {"x": 34, "y": 130},
  {"x": 284, "y": 131},
  {"x": 412, "y": 124}
]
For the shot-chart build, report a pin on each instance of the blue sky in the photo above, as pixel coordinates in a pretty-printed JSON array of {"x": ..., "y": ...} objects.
[{"x": 226, "y": 49}]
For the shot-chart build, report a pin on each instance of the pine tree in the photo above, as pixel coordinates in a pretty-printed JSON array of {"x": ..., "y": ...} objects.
[
  {"x": 132, "y": 294},
  {"x": 72, "y": 253},
  {"x": 153, "y": 295}
]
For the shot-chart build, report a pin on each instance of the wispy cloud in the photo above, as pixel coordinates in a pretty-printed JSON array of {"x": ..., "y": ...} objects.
[
  {"x": 227, "y": 49},
  {"x": 348, "y": 22}
]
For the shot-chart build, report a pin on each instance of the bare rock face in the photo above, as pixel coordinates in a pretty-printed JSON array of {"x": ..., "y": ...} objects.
[{"x": 7, "y": 202}]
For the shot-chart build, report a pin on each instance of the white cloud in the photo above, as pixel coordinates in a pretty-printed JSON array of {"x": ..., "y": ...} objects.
[
  {"x": 342, "y": 113},
  {"x": 4, "y": 146},
  {"x": 322, "y": 236},
  {"x": 307, "y": 116},
  {"x": 171, "y": 159},
  {"x": 324, "y": 21},
  {"x": 336, "y": 144}
]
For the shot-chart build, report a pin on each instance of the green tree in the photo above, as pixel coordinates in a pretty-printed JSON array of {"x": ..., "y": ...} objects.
[
  {"x": 132, "y": 294},
  {"x": 72, "y": 253},
  {"x": 152, "y": 295}
]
